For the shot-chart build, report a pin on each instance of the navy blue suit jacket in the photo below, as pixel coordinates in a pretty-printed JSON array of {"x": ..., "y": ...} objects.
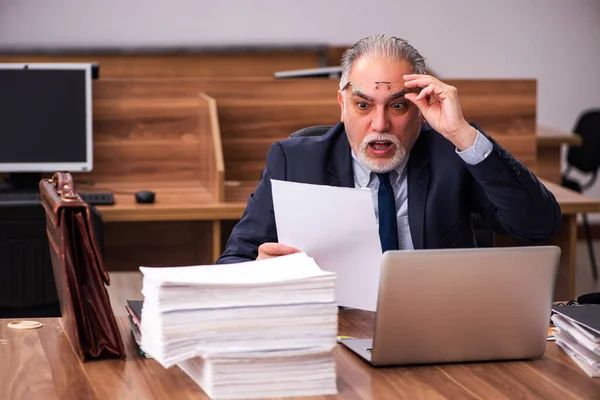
[{"x": 443, "y": 191}]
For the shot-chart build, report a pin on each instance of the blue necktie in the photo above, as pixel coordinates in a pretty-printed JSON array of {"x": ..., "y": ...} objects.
[{"x": 388, "y": 228}]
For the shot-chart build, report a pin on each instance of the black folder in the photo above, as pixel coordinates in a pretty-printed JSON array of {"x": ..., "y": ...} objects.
[
  {"x": 587, "y": 315},
  {"x": 134, "y": 308}
]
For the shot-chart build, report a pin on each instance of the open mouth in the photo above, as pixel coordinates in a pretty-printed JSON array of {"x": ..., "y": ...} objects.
[{"x": 380, "y": 147}]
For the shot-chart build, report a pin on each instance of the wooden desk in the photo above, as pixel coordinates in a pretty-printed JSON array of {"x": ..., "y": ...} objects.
[
  {"x": 549, "y": 144},
  {"x": 40, "y": 364},
  {"x": 571, "y": 204},
  {"x": 182, "y": 226},
  {"x": 202, "y": 229},
  {"x": 172, "y": 203}
]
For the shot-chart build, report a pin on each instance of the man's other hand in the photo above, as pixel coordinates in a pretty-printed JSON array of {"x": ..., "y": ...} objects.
[{"x": 270, "y": 250}]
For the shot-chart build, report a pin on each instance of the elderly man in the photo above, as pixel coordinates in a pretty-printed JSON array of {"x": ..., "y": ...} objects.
[{"x": 403, "y": 135}]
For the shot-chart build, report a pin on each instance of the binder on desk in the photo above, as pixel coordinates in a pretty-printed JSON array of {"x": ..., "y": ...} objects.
[
  {"x": 587, "y": 315},
  {"x": 134, "y": 309},
  {"x": 578, "y": 334},
  {"x": 134, "y": 314},
  {"x": 87, "y": 317}
]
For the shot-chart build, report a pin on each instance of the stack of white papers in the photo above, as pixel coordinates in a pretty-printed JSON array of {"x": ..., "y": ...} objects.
[
  {"x": 255, "y": 329},
  {"x": 253, "y": 375},
  {"x": 580, "y": 341}
]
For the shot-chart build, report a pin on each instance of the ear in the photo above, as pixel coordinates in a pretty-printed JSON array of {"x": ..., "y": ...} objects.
[{"x": 340, "y": 97}]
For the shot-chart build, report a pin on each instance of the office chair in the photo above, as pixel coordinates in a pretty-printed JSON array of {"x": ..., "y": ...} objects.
[
  {"x": 484, "y": 235},
  {"x": 586, "y": 159}
]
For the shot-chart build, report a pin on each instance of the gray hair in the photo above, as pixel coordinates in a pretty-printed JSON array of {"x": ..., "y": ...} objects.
[{"x": 385, "y": 47}]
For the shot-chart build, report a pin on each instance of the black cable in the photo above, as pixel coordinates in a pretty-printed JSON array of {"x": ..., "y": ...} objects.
[{"x": 568, "y": 303}]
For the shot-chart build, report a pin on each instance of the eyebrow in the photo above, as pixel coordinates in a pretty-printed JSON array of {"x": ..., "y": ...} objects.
[{"x": 394, "y": 96}]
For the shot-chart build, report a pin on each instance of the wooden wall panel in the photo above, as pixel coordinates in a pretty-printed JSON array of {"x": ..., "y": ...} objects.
[
  {"x": 248, "y": 130},
  {"x": 506, "y": 110},
  {"x": 264, "y": 119},
  {"x": 195, "y": 64},
  {"x": 145, "y": 140},
  {"x": 247, "y": 108},
  {"x": 242, "y": 89},
  {"x": 142, "y": 119},
  {"x": 129, "y": 245},
  {"x": 254, "y": 112},
  {"x": 145, "y": 161},
  {"x": 334, "y": 54}
]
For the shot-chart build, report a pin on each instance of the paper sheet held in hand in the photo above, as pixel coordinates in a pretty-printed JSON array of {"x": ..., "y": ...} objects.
[{"x": 336, "y": 226}]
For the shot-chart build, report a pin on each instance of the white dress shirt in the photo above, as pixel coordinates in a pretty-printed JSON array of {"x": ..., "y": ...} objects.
[{"x": 365, "y": 178}]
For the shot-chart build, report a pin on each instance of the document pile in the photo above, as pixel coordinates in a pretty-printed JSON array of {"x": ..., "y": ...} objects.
[
  {"x": 257, "y": 329},
  {"x": 578, "y": 334}
]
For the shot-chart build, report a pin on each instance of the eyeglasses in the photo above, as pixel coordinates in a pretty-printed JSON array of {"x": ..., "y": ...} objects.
[
  {"x": 395, "y": 86},
  {"x": 389, "y": 85}
]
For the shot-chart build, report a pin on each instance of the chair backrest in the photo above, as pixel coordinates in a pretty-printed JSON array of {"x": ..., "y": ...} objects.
[
  {"x": 586, "y": 157},
  {"x": 317, "y": 130}
]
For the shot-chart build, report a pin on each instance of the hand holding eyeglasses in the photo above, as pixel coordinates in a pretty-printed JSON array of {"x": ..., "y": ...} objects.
[{"x": 439, "y": 104}]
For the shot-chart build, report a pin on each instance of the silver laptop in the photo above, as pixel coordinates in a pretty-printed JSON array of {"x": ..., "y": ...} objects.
[{"x": 455, "y": 305}]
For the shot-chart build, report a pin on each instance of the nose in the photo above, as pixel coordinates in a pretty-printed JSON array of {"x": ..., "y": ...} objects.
[{"x": 380, "y": 121}]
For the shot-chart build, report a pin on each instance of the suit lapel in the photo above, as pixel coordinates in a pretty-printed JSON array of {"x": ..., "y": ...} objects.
[
  {"x": 340, "y": 164},
  {"x": 418, "y": 181},
  {"x": 341, "y": 174}
]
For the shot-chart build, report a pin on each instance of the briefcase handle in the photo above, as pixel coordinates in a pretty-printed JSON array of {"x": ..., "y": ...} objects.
[{"x": 63, "y": 181}]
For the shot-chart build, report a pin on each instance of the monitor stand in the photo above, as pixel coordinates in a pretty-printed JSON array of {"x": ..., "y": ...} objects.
[{"x": 21, "y": 182}]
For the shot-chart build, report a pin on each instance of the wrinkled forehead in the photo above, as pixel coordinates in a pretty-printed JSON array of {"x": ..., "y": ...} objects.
[{"x": 378, "y": 90}]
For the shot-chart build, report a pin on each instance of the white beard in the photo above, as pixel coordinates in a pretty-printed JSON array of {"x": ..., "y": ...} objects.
[{"x": 381, "y": 165}]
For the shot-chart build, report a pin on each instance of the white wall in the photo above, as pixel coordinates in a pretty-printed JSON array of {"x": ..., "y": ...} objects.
[{"x": 555, "y": 41}]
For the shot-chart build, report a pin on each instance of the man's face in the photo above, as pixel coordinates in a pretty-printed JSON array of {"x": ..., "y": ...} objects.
[{"x": 382, "y": 126}]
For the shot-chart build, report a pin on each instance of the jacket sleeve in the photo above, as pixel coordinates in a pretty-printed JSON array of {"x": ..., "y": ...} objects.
[
  {"x": 257, "y": 224},
  {"x": 512, "y": 199}
]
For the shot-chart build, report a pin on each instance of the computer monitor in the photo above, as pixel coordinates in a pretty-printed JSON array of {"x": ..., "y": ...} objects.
[{"x": 45, "y": 119}]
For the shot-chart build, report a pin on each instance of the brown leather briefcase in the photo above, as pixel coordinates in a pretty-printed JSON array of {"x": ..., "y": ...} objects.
[{"x": 87, "y": 317}]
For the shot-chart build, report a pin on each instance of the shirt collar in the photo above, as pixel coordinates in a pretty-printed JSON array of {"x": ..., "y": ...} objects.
[{"x": 363, "y": 175}]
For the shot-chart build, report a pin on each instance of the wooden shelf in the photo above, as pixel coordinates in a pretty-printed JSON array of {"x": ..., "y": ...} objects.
[{"x": 175, "y": 201}]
